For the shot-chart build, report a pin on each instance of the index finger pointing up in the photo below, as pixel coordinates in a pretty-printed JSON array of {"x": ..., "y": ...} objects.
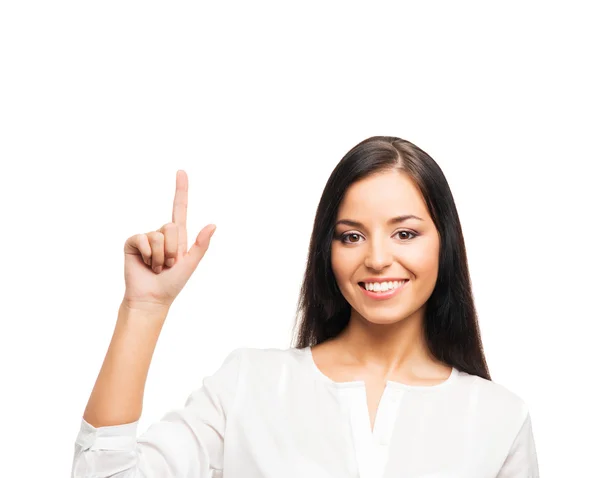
[{"x": 180, "y": 204}]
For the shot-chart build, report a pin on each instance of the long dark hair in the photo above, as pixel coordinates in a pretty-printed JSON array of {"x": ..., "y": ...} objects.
[{"x": 451, "y": 326}]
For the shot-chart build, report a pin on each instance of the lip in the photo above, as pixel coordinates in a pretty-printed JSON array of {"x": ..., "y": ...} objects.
[
  {"x": 383, "y": 279},
  {"x": 383, "y": 295}
]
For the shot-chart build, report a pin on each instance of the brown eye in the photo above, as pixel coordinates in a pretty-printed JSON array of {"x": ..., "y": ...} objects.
[
  {"x": 406, "y": 232},
  {"x": 353, "y": 236}
]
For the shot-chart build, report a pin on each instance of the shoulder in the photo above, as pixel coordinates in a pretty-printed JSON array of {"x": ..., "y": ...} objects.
[
  {"x": 249, "y": 358},
  {"x": 253, "y": 372},
  {"x": 266, "y": 357},
  {"x": 500, "y": 395},
  {"x": 247, "y": 364},
  {"x": 493, "y": 401}
]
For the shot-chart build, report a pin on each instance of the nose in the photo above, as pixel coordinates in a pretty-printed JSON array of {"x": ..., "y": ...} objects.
[{"x": 378, "y": 255}]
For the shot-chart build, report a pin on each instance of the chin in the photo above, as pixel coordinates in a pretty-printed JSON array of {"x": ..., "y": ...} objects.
[{"x": 384, "y": 318}]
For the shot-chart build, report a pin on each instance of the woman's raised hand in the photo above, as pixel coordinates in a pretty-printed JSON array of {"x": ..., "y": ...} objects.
[{"x": 158, "y": 263}]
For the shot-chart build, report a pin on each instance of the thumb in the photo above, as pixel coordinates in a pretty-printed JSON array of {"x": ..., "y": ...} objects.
[{"x": 199, "y": 247}]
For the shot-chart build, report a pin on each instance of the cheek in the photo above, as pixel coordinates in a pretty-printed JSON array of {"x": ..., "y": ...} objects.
[
  {"x": 341, "y": 264},
  {"x": 424, "y": 259},
  {"x": 336, "y": 262}
]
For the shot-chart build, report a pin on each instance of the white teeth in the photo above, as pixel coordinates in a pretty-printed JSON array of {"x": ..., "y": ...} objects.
[{"x": 383, "y": 286}]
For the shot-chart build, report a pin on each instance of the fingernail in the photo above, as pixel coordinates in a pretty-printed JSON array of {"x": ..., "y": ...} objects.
[
  {"x": 169, "y": 262},
  {"x": 212, "y": 232},
  {"x": 157, "y": 269}
]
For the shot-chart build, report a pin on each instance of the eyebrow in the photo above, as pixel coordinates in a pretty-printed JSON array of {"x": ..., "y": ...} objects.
[{"x": 394, "y": 220}]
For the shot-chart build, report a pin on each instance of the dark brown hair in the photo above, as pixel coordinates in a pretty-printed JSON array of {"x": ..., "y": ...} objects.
[{"x": 451, "y": 326}]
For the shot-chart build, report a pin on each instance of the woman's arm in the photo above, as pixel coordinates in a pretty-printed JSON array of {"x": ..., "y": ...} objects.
[
  {"x": 521, "y": 461},
  {"x": 186, "y": 442},
  {"x": 118, "y": 394}
]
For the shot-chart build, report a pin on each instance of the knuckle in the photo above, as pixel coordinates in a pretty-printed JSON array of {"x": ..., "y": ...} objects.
[
  {"x": 155, "y": 237},
  {"x": 170, "y": 262},
  {"x": 171, "y": 238},
  {"x": 168, "y": 227}
]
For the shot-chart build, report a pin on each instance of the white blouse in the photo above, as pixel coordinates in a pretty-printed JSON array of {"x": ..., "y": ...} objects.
[{"x": 271, "y": 413}]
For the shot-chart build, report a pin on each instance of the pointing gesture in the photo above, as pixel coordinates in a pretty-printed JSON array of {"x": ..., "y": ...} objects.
[
  {"x": 180, "y": 204},
  {"x": 158, "y": 264}
]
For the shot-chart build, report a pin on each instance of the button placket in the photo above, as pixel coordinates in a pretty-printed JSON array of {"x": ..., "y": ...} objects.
[
  {"x": 387, "y": 413},
  {"x": 361, "y": 430},
  {"x": 371, "y": 447}
]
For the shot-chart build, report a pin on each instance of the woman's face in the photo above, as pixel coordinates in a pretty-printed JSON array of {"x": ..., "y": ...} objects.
[{"x": 373, "y": 244}]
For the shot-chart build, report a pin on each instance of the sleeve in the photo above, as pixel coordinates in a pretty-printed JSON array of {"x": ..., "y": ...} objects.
[
  {"x": 521, "y": 461},
  {"x": 186, "y": 443}
]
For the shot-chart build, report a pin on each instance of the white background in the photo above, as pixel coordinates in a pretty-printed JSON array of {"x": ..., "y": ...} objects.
[{"x": 101, "y": 104}]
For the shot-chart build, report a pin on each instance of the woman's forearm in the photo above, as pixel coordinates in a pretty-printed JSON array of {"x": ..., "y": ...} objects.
[{"x": 118, "y": 393}]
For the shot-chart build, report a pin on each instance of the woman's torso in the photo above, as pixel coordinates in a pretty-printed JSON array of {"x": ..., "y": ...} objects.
[{"x": 287, "y": 411}]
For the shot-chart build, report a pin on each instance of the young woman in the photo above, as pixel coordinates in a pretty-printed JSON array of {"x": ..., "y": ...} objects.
[{"x": 387, "y": 377}]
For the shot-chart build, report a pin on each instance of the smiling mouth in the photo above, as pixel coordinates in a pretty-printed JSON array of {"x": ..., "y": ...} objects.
[{"x": 382, "y": 287}]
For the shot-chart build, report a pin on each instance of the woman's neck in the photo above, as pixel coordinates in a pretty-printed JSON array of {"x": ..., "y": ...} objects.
[{"x": 387, "y": 347}]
